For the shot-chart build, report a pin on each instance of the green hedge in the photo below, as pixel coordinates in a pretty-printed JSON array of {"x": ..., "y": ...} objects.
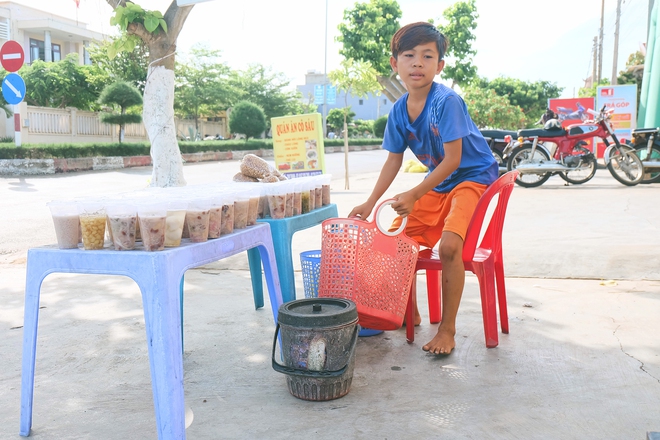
[{"x": 52, "y": 151}]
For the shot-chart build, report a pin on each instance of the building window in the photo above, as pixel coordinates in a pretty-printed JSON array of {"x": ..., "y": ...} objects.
[
  {"x": 384, "y": 101},
  {"x": 361, "y": 101},
  {"x": 57, "y": 52},
  {"x": 38, "y": 51}
]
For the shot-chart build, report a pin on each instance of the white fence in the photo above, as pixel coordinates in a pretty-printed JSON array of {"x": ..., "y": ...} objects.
[{"x": 41, "y": 125}]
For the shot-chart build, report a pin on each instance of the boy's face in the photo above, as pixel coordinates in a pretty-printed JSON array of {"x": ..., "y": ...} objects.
[{"x": 418, "y": 66}]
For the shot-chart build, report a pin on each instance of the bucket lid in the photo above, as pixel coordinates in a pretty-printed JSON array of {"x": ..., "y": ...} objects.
[{"x": 317, "y": 312}]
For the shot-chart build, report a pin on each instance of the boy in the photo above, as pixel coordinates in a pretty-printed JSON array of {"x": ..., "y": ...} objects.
[{"x": 433, "y": 121}]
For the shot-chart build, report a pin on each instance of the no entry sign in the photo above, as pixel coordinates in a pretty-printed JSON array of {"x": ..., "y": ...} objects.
[{"x": 12, "y": 56}]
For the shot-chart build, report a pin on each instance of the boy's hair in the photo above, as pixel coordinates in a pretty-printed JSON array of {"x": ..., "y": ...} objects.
[{"x": 414, "y": 34}]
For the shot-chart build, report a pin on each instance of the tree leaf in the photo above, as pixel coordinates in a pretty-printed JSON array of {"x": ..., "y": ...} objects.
[
  {"x": 150, "y": 23},
  {"x": 163, "y": 24}
]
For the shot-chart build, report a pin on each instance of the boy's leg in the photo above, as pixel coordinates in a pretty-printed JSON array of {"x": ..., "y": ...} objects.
[
  {"x": 453, "y": 280},
  {"x": 462, "y": 202}
]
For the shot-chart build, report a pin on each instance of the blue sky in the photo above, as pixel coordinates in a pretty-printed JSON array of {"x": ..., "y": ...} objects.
[{"x": 526, "y": 39}]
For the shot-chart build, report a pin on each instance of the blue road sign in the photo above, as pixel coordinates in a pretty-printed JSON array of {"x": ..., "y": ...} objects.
[
  {"x": 330, "y": 94},
  {"x": 13, "y": 88}
]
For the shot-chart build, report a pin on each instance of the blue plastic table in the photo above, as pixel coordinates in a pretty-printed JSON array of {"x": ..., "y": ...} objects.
[
  {"x": 282, "y": 231},
  {"x": 158, "y": 275}
]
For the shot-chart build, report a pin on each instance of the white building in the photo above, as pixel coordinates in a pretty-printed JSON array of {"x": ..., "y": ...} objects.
[{"x": 45, "y": 36}]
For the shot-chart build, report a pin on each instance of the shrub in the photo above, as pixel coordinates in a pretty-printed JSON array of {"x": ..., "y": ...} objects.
[
  {"x": 379, "y": 126},
  {"x": 248, "y": 119}
]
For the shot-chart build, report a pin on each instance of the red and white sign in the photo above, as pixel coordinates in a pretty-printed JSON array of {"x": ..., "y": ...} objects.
[{"x": 12, "y": 56}]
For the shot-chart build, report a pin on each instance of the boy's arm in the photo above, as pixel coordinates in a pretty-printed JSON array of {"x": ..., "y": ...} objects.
[
  {"x": 405, "y": 201},
  {"x": 387, "y": 174}
]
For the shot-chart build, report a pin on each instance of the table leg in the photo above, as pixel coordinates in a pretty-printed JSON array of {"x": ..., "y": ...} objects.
[
  {"x": 272, "y": 279},
  {"x": 255, "y": 275},
  {"x": 162, "y": 316},
  {"x": 30, "y": 326}
]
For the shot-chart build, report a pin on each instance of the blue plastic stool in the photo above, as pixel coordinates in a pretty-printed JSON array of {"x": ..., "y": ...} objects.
[
  {"x": 310, "y": 261},
  {"x": 282, "y": 231}
]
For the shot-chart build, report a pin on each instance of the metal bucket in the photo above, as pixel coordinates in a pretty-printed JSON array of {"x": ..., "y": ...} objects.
[{"x": 318, "y": 337}]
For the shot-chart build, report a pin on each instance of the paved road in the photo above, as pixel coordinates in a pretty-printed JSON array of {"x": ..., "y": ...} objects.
[{"x": 600, "y": 229}]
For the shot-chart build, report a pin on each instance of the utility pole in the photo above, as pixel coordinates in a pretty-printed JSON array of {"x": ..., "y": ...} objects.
[
  {"x": 600, "y": 43},
  {"x": 325, "y": 77},
  {"x": 616, "y": 42},
  {"x": 594, "y": 82},
  {"x": 648, "y": 24}
]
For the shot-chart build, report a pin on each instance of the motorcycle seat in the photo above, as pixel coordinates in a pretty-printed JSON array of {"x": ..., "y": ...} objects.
[
  {"x": 540, "y": 132},
  {"x": 498, "y": 135},
  {"x": 645, "y": 130}
]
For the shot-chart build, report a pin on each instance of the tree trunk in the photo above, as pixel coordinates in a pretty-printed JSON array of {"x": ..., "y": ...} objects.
[
  {"x": 347, "y": 185},
  {"x": 392, "y": 87},
  {"x": 158, "y": 107}
]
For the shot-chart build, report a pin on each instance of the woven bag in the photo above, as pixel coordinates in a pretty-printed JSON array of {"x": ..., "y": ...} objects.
[{"x": 372, "y": 267}]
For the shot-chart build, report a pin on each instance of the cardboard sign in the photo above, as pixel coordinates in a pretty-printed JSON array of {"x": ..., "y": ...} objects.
[{"x": 298, "y": 145}]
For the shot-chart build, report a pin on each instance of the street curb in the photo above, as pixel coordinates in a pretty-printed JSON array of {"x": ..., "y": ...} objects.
[{"x": 39, "y": 167}]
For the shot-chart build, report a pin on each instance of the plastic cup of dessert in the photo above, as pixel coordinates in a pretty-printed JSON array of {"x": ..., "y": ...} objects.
[
  {"x": 122, "y": 224},
  {"x": 153, "y": 223},
  {"x": 67, "y": 223},
  {"x": 92, "y": 224}
]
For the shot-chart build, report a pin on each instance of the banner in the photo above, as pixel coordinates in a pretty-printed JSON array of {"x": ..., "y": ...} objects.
[
  {"x": 623, "y": 99},
  {"x": 298, "y": 145}
]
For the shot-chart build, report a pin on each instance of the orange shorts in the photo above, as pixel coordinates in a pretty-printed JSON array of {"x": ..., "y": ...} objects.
[{"x": 436, "y": 212}]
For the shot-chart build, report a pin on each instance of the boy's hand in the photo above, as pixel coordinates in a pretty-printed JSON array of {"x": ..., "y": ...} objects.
[
  {"x": 362, "y": 211},
  {"x": 404, "y": 203}
]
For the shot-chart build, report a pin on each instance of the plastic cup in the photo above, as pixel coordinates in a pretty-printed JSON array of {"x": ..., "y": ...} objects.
[
  {"x": 241, "y": 209},
  {"x": 254, "y": 194},
  {"x": 176, "y": 217},
  {"x": 122, "y": 222},
  {"x": 276, "y": 194},
  {"x": 311, "y": 188},
  {"x": 197, "y": 218},
  {"x": 227, "y": 226},
  {"x": 304, "y": 197},
  {"x": 325, "y": 188},
  {"x": 288, "y": 206},
  {"x": 153, "y": 222},
  {"x": 297, "y": 197},
  {"x": 318, "y": 193},
  {"x": 92, "y": 223},
  {"x": 67, "y": 224}
]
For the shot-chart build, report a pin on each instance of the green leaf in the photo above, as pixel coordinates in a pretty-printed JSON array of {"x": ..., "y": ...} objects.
[
  {"x": 150, "y": 23},
  {"x": 156, "y": 14},
  {"x": 163, "y": 24},
  {"x": 112, "y": 51}
]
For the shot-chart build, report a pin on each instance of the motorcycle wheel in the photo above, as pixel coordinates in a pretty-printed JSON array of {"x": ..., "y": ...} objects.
[
  {"x": 523, "y": 154},
  {"x": 585, "y": 173},
  {"x": 625, "y": 166},
  {"x": 497, "y": 155},
  {"x": 641, "y": 150}
]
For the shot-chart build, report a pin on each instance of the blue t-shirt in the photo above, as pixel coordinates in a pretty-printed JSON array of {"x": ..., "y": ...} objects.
[{"x": 445, "y": 118}]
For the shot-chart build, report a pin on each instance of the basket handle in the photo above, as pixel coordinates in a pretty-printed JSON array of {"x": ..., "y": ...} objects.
[{"x": 377, "y": 218}]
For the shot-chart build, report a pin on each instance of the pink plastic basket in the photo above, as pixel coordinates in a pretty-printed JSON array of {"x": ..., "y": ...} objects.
[{"x": 372, "y": 267}]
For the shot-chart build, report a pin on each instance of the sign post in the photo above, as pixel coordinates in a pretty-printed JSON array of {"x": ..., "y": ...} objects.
[{"x": 13, "y": 86}]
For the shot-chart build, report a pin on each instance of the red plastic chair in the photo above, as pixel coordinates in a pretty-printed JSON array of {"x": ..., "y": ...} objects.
[{"x": 485, "y": 261}]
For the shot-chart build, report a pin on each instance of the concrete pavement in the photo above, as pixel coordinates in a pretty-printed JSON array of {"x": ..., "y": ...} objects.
[{"x": 582, "y": 359}]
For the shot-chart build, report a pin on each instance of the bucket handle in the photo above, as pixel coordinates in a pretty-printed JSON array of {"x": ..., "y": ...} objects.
[{"x": 310, "y": 373}]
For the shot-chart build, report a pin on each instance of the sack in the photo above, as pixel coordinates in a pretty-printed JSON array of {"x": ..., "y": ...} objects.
[{"x": 372, "y": 267}]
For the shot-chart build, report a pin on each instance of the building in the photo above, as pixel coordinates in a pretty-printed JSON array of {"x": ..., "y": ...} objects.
[
  {"x": 368, "y": 108},
  {"x": 45, "y": 36}
]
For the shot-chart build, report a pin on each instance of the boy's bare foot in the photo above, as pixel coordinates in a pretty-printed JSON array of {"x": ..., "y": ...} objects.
[
  {"x": 418, "y": 318},
  {"x": 442, "y": 343}
]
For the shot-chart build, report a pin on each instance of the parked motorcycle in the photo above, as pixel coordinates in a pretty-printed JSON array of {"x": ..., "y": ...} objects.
[
  {"x": 646, "y": 142},
  {"x": 497, "y": 142},
  {"x": 571, "y": 160}
]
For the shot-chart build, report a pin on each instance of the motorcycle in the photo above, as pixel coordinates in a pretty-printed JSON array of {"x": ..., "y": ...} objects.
[
  {"x": 646, "y": 142},
  {"x": 564, "y": 113},
  {"x": 571, "y": 160},
  {"x": 497, "y": 143}
]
